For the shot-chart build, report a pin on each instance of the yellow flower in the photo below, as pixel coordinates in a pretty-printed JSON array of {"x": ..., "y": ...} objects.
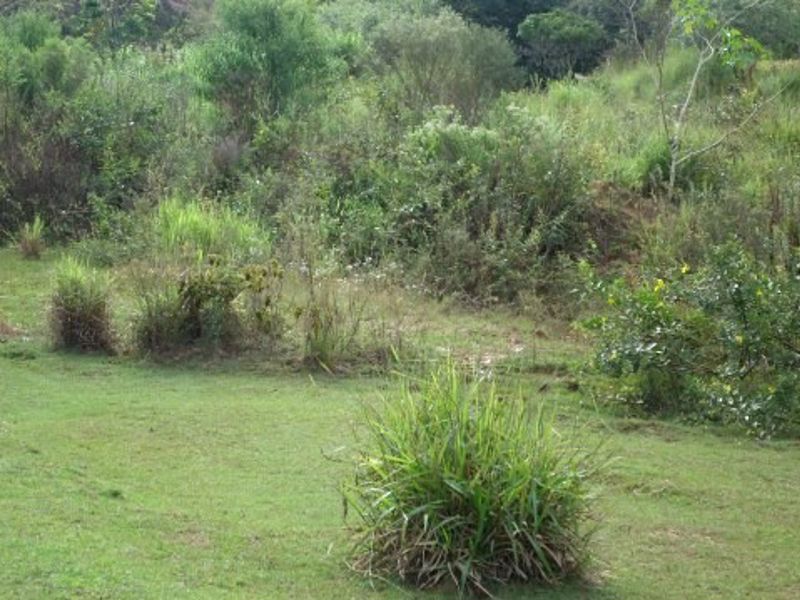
[
  {"x": 660, "y": 285},
  {"x": 685, "y": 268}
]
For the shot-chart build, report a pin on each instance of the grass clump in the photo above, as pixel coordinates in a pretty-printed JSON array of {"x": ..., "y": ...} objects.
[
  {"x": 461, "y": 484},
  {"x": 30, "y": 240},
  {"x": 80, "y": 311},
  {"x": 200, "y": 230},
  {"x": 158, "y": 324},
  {"x": 329, "y": 325}
]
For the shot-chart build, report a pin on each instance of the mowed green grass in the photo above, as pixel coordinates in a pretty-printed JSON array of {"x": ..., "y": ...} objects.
[{"x": 124, "y": 479}]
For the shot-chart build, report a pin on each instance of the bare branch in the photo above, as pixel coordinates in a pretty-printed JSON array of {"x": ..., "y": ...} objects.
[{"x": 723, "y": 138}]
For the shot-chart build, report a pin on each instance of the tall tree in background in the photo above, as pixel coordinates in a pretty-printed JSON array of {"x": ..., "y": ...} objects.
[{"x": 562, "y": 42}]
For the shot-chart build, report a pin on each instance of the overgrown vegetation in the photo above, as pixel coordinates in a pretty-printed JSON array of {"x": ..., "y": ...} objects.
[
  {"x": 30, "y": 239},
  {"x": 284, "y": 181}
]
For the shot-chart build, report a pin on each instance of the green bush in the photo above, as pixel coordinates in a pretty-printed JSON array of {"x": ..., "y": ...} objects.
[
  {"x": 212, "y": 303},
  {"x": 79, "y": 309},
  {"x": 719, "y": 344},
  {"x": 486, "y": 206},
  {"x": 561, "y": 42},
  {"x": 78, "y": 126},
  {"x": 266, "y": 56},
  {"x": 158, "y": 325},
  {"x": 459, "y": 483},
  {"x": 444, "y": 60}
]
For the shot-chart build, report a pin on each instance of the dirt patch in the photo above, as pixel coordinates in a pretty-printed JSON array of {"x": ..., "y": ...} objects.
[
  {"x": 673, "y": 535},
  {"x": 648, "y": 427},
  {"x": 8, "y": 332},
  {"x": 194, "y": 538}
]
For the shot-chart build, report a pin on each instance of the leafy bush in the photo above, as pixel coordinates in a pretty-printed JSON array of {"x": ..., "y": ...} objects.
[
  {"x": 30, "y": 239},
  {"x": 561, "y": 42},
  {"x": 445, "y": 60},
  {"x": 78, "y": 126},
  {"x": 460, "y": 483},
  {"x": 266, "y": 55},
  {"x": 79, "y": 309},
  {"x": 489, "y": 205},
  {"x": 721, "y": 343},
  {"x": 209, "y": 304},
  {"x": 206, "y": 297}
]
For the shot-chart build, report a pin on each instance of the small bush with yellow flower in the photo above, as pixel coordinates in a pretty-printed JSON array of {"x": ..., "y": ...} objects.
[{"x": 721, "y": 343}]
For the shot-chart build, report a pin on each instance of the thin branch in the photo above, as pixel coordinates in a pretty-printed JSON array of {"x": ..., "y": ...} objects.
[
  {"x": 705, "y": 55},
  {"x": 721, "y": 140}
]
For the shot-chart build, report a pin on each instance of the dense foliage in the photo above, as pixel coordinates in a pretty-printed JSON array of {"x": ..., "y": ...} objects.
[
  {"x": 261, "y": 175},
  {"x": 451, "y": 146},
  {"x": 719, "y": 343}
]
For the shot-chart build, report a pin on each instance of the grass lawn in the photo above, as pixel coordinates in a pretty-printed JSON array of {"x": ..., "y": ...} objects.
[{"x": 124, "y": 479}]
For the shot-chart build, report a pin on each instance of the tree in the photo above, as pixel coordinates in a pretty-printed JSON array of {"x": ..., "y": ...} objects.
[
  {"x": 716, "y": 38},
  {"x": 264, "y": 55},
  {"x": 561, "y": 42},
  {"x": 776, "y": 24},
  {"x": 505, "y": 14}
]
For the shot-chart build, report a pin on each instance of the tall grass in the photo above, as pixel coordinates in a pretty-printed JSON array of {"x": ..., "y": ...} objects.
[
  {"x": 459, "y": 483},
  {"x": 198, "y": 229},
  {"x": 80, "y": 309},
  {"x": 30, "y": 239}
]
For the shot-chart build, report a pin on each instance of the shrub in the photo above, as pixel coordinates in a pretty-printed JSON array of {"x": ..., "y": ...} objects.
[
  {"x": 78, "y": 125},
  {"x": 511, "y": 196},
  {"x": 263, "y": 285},
  {"x": 80, "y": 313},
  {"x": 158, "y": 326},
  {"x": 209, "y": 303},
  {"x": 266, "y": 56},
  {"x": 206, "y": 297},
  {"x": 31, "y": 238},
  {"x": 719, "y": 344},
  {"x": 445, "y": 60},
  {"x": 458, "y": 483}
]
